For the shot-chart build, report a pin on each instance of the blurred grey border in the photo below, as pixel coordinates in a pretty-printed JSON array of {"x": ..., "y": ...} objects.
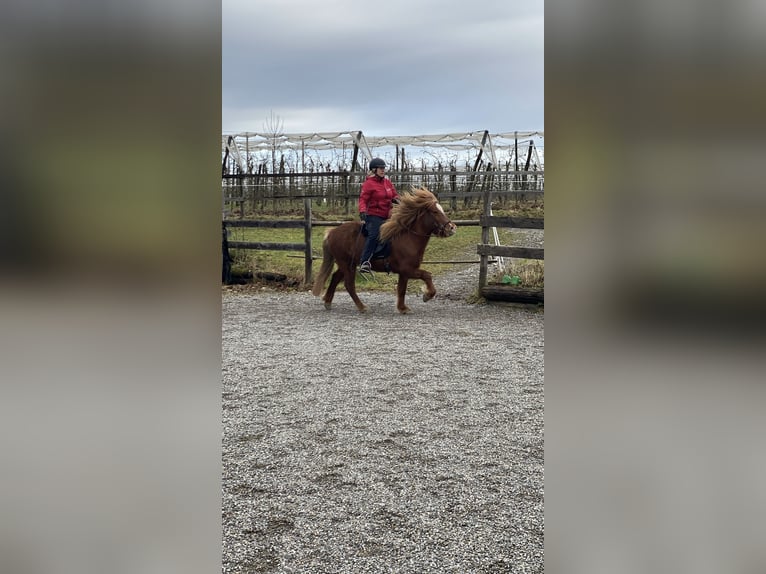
[
  {"x": 109, "y": 266},
  {"x": 111, "y": 313},
  {"x": 655, "y": 286}
]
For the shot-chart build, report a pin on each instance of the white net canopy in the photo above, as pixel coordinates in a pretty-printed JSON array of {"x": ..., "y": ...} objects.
[{"x": 493, "y": 144}]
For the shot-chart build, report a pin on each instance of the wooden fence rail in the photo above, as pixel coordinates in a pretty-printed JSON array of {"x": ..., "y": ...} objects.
[{"x": 512, "y": 252}]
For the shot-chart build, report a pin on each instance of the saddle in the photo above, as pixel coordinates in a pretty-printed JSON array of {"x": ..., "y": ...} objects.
[{"x": 382, "y": 251}]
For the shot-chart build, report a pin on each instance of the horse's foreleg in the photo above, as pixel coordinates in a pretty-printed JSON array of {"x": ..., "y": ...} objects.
[
  {"x": 401, "y": 291},
  {"x": 426, "y": 277},
  {"x": 349, "y": 280},
  {"x": 330, "y": 293}
]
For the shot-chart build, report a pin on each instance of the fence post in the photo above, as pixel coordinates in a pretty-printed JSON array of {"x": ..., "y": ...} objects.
[
  {"x": 307, "y": 239},
  {"x": 483, "y": 261},
  {"x": 227, "y": 258},
  {"x": 346, "y": 194}
]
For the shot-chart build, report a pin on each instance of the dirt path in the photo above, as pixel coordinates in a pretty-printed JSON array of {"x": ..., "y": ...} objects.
[{"x": 381, "y": 442}]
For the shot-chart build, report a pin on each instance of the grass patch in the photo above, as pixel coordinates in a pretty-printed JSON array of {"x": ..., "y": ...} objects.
[
  {"x": 520, "y": 272},
  {"x": 290, "y": 263}
]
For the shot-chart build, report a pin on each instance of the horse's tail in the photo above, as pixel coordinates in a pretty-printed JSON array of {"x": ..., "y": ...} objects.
[{"x": 328, "y": 260}]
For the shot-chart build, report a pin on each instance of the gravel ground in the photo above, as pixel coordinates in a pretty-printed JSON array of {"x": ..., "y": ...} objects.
[{"x": 381, "y": 442}]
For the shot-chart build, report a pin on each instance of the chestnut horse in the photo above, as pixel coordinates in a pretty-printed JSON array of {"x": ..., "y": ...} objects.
[{"x": 413, "y": 221}]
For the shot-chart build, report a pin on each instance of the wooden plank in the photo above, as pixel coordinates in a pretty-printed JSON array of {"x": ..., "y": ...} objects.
[
  {"x": 458, "y": 222},
  {"x": 518, "y": 222},
  {"x": 264, "y": 223},
  {"x": 362, "y": 172},
  {"x": 330, "y": 223},
  {"x": 267, "y": 246},
  {"x": 512, "y": 294},
  {"x": 506, "y": 251},
  {"x": 294, "y": 174},
  {"x": 496, "y": 193},
  {"x": 441, "y": 196}
]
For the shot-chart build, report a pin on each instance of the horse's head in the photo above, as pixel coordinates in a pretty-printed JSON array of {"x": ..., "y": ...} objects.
[
  {"x": 418, "y": 213},
  {"x": 442, "y": 226}
]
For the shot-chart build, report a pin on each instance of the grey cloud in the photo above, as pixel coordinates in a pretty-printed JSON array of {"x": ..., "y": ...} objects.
[{"x": 443, "y": 65}]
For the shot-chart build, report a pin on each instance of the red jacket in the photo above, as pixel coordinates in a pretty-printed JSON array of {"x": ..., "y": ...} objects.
[{"x": 376, "y": 196}]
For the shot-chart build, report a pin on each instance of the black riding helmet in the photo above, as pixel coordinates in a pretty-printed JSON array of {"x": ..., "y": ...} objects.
[{"x": 375, "y": 163}]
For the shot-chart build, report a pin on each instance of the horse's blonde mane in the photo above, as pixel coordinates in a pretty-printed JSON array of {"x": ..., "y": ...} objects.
[{"x": 404, "y": 213}]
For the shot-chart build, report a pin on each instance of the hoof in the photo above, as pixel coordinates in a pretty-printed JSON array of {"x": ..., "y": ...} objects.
[
  {"x": 427, "y": 297},
  {"x": 363, "y": 309},
  {"x": 328, "y": 306},
  {"x": 405, "y": 311}
]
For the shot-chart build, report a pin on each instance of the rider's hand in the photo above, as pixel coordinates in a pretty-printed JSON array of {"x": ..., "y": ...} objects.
[{"x": 363, "y": 216}]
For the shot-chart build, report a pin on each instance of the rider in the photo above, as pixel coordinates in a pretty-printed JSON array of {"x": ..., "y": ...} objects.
[{"x": 375, "y": 201}]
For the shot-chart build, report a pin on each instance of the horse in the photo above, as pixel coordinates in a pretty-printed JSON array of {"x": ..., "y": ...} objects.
[{"x": 413, "y": 221}]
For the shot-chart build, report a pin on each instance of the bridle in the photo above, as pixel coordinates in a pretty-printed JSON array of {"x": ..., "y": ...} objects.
[{"x": 436, "y": 229}]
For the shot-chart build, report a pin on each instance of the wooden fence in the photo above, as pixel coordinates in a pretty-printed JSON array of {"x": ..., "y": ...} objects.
[
  {"x": 277, "y": 224},
  {"x": 245, "y": 194},
  {"x": 485, "y": 250}
]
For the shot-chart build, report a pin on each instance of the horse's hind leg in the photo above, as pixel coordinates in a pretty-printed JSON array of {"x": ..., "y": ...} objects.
[{"x": 330, "y": 293}]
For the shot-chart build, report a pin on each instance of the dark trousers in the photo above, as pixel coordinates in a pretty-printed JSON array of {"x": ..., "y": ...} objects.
[{"x": 372, "y": 226}]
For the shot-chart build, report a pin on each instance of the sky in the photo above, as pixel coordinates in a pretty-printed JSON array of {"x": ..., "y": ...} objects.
[{"x": 395, "y": 67}]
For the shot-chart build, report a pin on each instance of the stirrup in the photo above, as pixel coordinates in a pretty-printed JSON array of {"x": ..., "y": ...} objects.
[{"x": 365, "y": 269}]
